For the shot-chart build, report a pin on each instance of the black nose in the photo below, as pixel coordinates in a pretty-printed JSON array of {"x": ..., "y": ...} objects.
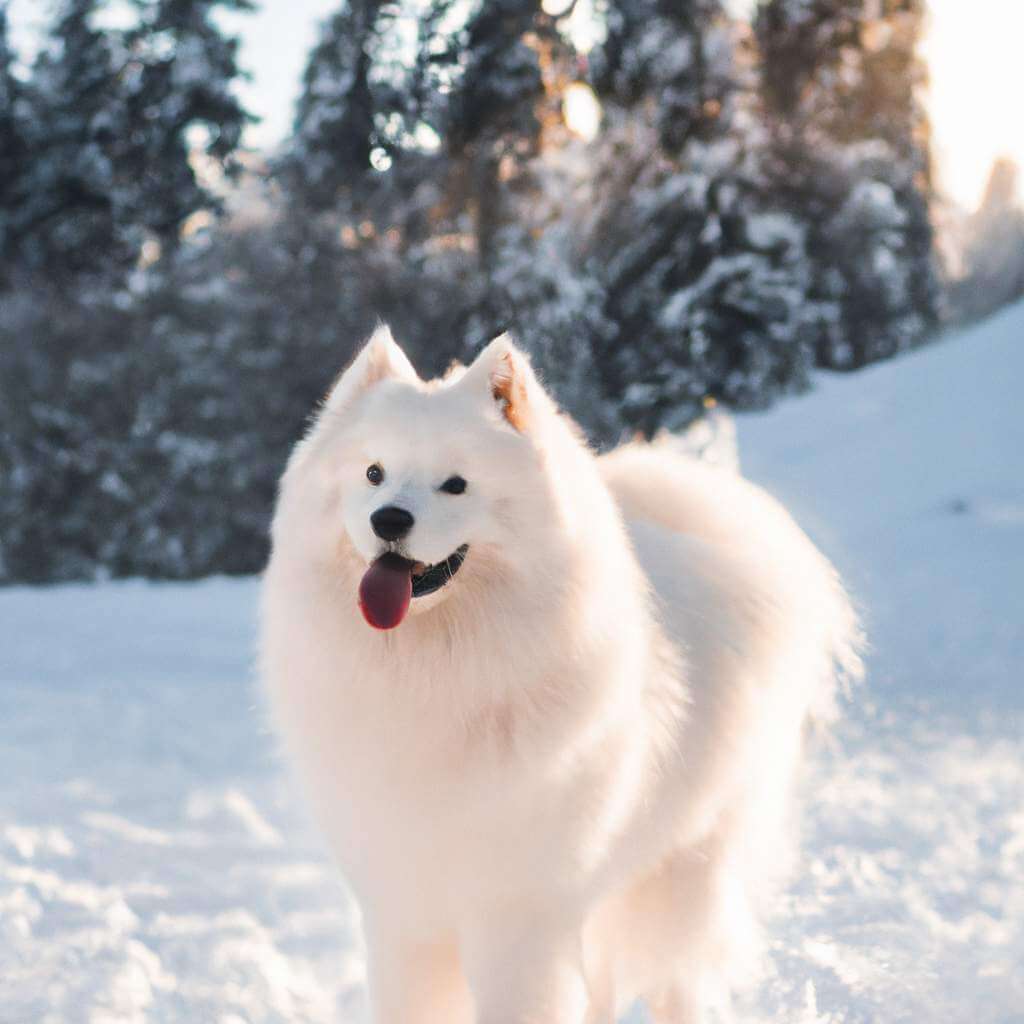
[{"x": 391, "y": 522}]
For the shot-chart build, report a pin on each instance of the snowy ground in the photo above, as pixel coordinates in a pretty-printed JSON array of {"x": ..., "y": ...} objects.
[{"x": 155, "y": 865}]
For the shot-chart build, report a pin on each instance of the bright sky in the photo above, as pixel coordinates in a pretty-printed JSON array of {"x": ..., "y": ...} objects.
[
  {"x": 275, "y": 42},
  {"x": 973, "y": 50},
  {"x": 972, "y": 47}
]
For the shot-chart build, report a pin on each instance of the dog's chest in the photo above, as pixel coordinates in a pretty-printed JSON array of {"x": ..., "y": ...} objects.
[{"x": 438, "y": 806}]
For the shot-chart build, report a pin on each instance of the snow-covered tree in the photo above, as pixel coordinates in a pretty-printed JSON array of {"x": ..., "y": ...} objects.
[
  {"x": 751, "y": 201},
  {"x": 118, "y": 121},
  {"x": 70, "y": 219},
  {"x": 674, "y": 54},
  {"x": 521, "y": 177},
  {"x": 334, "y": 132},
  {"x": 705, "y": 275},
  {"x": 848, "y": 156},
  {"x": 182, "y": 109},
  {"x": 494, "y": 125},
  {"x": 107, "y": 119},
  {"x": 540, "y": 285},
  {"x": 14, "y": 160}
]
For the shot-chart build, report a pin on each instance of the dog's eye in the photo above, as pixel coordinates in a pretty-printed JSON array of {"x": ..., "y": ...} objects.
[
  {"x": 375, "y": 475},
  {"x": 454, "y": 485}
]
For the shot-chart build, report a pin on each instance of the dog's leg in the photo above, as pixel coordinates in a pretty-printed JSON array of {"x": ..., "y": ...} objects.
[
  {"x": 416, "y": 983},
  {"x": 525, "y": 971}
]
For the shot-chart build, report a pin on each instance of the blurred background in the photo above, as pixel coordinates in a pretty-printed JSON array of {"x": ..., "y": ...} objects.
[
  {"x": 204, "y": 205},
  {"x": 789, "y": 231}
]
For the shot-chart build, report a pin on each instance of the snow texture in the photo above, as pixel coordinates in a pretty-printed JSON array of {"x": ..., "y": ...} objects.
[{"x": 156, "y": 865}]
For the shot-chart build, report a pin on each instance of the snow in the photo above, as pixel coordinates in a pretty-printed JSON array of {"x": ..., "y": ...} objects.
[{"x": 156, "y": 865}]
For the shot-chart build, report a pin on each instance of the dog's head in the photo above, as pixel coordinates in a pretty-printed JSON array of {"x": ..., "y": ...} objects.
[{"x": 414, "y": 489}]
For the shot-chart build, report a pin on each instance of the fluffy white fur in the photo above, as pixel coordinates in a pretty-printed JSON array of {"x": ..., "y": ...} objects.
[{"x": 562, "y": 782}]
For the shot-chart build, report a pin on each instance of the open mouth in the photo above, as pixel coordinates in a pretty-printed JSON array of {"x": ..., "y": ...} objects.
[
  {"x": 428, "y": 578},
  {"x": 391, "y": 581}
]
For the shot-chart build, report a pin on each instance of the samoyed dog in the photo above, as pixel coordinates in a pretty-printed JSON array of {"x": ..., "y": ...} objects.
[{"x": 548, "y": 707}]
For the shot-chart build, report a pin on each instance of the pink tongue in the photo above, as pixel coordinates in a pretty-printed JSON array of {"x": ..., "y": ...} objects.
[{"x": 385, "y": 591}]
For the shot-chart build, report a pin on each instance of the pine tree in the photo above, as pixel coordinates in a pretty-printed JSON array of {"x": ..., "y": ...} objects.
[
  {"x": 705, "y": 275},
  {"x": 432, "y": 221},
  {"x": 14, "y": 163},
  {"x": 107, "y": 134},
  {"x": 839, "y": 81},
  {"x": 684, "y": 253},
  {"x": 673, "y": 54},
  {"x": 523, "y": 177},
  {"x": 69, "y": 222},
  {"x": 360, "y": 182},
  {"x": 335, "y": 129},
  {"x": 494, "y": 124},
  {"x": 496, "y": 100},
  {"x": 180, "y": 103},
  {"x": 113, "y": 134}
]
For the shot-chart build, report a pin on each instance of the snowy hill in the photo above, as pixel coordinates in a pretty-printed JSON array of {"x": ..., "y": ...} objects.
[
  {"x": 911, "y": 475},
  {"x": 154, "y": 867}
]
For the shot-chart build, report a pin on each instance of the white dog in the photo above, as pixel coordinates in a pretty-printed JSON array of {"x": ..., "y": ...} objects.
[{"x": 547, "y": 706}]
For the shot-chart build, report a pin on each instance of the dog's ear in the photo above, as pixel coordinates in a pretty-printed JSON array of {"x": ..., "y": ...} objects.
[
  {"x": 502, "y": 373},
  {"x": 379, "y": 359}
]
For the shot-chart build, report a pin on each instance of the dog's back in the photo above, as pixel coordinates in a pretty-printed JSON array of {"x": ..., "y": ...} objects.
[{"x": 701, "y": 531}]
